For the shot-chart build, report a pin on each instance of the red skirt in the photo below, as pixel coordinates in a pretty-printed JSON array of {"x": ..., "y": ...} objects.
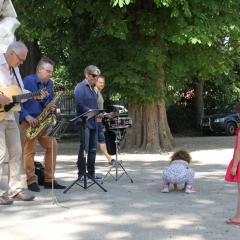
[{"x": 229, "y": 177}]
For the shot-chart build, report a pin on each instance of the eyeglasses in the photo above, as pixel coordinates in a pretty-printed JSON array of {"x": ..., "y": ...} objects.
[
  {"x": 22, "y": 60},
  {"x": 93, "y": 75},
  {"x": 49, "y": 71}
]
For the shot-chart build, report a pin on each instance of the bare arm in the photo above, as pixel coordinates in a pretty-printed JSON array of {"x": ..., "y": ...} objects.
[{"x": 236, "y": 158}]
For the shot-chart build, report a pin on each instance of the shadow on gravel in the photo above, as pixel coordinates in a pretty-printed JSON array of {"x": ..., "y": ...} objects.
[{"x": 128, "y": 210}]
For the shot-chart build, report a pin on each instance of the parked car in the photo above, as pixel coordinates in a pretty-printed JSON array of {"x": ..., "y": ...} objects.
[{"x": 225, "y": 120}]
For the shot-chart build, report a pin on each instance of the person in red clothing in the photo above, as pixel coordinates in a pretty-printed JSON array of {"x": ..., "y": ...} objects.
[{"x": 233, "y": 171}]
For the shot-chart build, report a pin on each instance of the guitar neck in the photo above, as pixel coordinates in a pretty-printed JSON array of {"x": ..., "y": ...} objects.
[{"x": 20, "y": 97}]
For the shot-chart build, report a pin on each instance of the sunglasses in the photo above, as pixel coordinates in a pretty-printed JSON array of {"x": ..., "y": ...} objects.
[{"x": 93, "y": 75}]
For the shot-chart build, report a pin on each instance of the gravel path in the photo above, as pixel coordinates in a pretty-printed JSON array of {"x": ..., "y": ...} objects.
[{"x": 128, "y": 210}]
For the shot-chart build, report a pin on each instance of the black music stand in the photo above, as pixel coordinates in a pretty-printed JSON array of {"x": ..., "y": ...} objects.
[
  {"x": 84, "y": 117},
  {"x": 120, "y": 132},
  {"x": 56, "y": 133}
]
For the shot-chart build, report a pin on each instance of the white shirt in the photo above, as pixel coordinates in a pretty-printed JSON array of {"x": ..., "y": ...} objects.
[{"x": 7, "y": 79}]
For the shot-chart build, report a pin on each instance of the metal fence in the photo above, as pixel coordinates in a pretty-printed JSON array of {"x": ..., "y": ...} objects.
[
  {"x": 66, "y": 105},
  {"x": 65, "y": 108}
]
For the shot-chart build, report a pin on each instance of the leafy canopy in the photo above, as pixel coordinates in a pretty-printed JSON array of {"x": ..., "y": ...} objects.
[{"x": 129, "y": 39}]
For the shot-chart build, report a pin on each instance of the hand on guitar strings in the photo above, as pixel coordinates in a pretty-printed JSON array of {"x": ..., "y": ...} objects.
[
  {"x": 4, "y": 100},
  {"x": 43, "y": 93}
]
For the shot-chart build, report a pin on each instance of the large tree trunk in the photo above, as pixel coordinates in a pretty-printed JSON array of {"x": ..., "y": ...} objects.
[
  {"x": 150, "y": 131},
  {"x": 199, "y": 105},
  {"x": 33, "y": 57}
]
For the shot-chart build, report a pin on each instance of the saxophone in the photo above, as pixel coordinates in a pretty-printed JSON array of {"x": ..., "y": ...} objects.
[{"x": 43, "y": 121}]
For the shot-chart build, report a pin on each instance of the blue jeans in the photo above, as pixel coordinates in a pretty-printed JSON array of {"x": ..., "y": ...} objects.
[{"x": 91, "y": 149}]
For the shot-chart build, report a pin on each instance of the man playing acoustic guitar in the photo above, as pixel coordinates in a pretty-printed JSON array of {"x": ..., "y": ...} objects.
[{"x": 9, "y": 133}]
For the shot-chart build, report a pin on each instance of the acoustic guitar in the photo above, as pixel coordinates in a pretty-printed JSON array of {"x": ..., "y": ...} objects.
[{"x": 14, "y": 92}]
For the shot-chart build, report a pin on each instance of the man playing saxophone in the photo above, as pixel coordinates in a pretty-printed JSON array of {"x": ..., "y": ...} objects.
[{"x": 31, "y": 115}]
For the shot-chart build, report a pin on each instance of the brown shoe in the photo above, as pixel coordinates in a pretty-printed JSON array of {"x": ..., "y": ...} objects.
[
  {"x": 5, "y": 201},
  {"x": 23, "y": 197}
]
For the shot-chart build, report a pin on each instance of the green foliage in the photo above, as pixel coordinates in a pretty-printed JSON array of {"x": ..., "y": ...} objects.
[
  {"x": 180, "y": 118},
  {"x": 219, "y": 95},
  {"x": 130, "y": 41},
  {"x": 121, "y": 3},
  {"x": 214, "y": 95}
]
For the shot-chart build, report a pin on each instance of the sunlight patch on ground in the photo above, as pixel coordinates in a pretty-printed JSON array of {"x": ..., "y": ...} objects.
[
  {"x": 205, "y": 202},
  {"x": 118, "y": 235},
  {"x": 209, "y": 152},
  {"x": 180, "y": 222},
  {"x": 187, "y": 237},
  {"x": 208, "y": 174}
]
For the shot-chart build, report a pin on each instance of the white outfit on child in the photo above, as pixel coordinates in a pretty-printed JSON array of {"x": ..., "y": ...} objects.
[{"x": 178, "y": 172}]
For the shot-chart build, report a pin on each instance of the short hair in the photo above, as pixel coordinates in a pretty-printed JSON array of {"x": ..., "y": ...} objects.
[
  {"x": 238, "y": 107},
  {"x": 17, "y": 47},
  {"x": 100, "y": 76},
  {"x": 181, "y": 154},
  {"x": 91, "y": 68},
  {"x": 43, "y": 62}
]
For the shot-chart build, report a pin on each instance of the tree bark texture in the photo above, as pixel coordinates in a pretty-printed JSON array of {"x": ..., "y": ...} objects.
[
  {"x": 33, "y": 57},
  {"x": 198, "y": 99},
  {"x": 150, "y": 132}
]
